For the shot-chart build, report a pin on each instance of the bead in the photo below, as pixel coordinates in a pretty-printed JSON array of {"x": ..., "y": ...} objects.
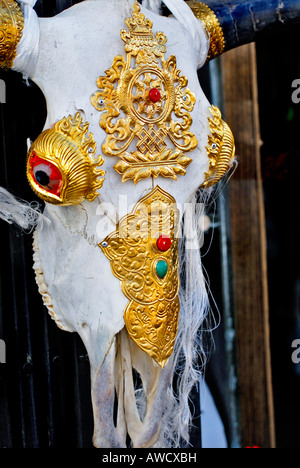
[
  {"x": 163, "y": 243},
  {"x": 104, "y": 244},
  {"x": 162, "y": 269},
  {"x": 154, "y": 95}
]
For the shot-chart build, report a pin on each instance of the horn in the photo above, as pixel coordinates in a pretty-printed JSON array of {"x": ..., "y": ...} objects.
[{"x": 234, "y": 23}]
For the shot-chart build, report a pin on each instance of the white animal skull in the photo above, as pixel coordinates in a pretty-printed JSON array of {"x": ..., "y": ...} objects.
[{"x": 73, "y": 274}]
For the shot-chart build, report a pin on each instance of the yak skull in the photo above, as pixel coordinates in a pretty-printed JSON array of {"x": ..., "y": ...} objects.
[{"x": 75, "y": 277}]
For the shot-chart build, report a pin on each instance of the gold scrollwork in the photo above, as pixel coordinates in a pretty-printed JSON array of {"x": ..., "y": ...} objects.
[
  {"x": 11, "y": 28},
  {"x": 62, "y": 166},
  {"x": 212, "y": 27},
  {"x": 151, "y": 317},
  {"x": 220, "y": 149},
  {"x": 137, "y": 99}
]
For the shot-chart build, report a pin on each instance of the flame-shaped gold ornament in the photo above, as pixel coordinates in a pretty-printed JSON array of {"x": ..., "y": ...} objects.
[{"x": 62, "y": 165}]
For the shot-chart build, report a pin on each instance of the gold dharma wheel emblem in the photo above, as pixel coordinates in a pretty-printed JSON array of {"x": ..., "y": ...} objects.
[{"x": 145, "y": 106}]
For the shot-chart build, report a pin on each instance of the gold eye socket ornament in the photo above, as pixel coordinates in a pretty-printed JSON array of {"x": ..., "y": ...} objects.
[
  {"x": 145, "y": 104},
  {"x": 62, "y": 166}
]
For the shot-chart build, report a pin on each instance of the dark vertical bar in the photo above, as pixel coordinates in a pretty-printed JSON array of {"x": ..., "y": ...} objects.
[
  {"x": 82, "y": 396},
  {"x": 48, "y": 392},
  {"x": 196, "y": 436}
]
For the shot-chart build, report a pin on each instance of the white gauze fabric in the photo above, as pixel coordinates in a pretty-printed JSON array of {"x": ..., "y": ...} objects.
[
  {"x": 23, "y": 214},
  {"x": 28, "y": 47},
  {"x": 184, "y": 15}
]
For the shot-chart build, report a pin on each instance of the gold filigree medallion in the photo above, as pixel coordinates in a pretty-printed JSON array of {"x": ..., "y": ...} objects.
[
  {"x": 11, "y": 28},
  {"x": 139, "y": 98},
  {"x": 143, "y": 252}
]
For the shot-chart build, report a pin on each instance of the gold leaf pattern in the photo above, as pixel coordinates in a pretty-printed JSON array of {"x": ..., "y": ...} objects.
[{"x": 168, "y": 163}]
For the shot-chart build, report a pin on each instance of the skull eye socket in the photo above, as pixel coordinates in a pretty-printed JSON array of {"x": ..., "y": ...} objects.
[{"x": 45, "y": 174}]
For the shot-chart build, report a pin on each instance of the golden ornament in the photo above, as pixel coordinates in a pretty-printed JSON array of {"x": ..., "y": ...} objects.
[
  {"x": 212, "y": 27},
  {"x": 147, "y": 267},
  {"x": 11, "y": 28},
  {"x": 138, "y": 99},
  {"x": 62, "y": 166},
  {"x": 220, "y": 149}
]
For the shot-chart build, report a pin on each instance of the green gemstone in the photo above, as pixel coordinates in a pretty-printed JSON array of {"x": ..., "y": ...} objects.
[{"x": 162, "y": 269}]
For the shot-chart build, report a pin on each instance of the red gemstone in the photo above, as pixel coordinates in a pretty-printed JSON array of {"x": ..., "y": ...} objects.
[
  {"x": 163, "y": 243},
  {"x": 154, "y": 95}
]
